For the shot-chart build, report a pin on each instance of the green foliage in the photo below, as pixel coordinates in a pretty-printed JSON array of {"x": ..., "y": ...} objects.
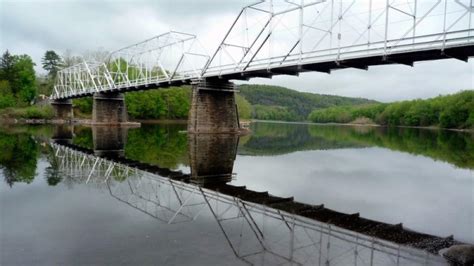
[
  {"x": 17, "y": 80},
  {"x": 264, "y": 112},
  {"x": 146, "y": 104},
  {"x": 7, "y": 66},
  {"x": 39, "y": 112},
  {"x": 30, "y": 112},
  {"x": 449, "y": 146},
  {"x": 18, "y": 157},
  {"x": 450, "y": 111},
  {"x": 26, "y": 79},
  {"x": 297, "y": 104},
  {"x": 82, "y": 105},
  {"x": 6, "y": 96},
  {"x": 51, "y": 62},
  {"x": 161, "y": 145},
  {"x": 281, "y": 138},
  {"x": 170, "y": 103},
  {"x": 243, "y": 106},
  {"x": 83, "y": 137}
]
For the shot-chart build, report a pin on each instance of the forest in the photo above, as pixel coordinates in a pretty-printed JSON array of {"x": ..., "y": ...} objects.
[
  {"x": 170, "y": 104},
  {"x": 279, "y": 103},
  {"x": 17, "y": 80},
  {"x": 449, "y": 111}
]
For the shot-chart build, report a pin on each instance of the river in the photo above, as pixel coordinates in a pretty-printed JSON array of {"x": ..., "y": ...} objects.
[{"x": 154, "y": 195}]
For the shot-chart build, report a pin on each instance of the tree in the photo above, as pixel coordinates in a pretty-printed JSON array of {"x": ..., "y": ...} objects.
[
  {"x": 7, "y": 63},
  {"x": 17, "y": 80},
  {"x": 51, "y": 63},
  {"x": 6, "y": 96},
  {"x": 25, "y": 84}
]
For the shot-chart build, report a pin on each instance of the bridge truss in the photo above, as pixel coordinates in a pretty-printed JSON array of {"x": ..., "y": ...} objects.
[
  {"x": 286, "y": 37},
  {"x": 256, "y": 234}
]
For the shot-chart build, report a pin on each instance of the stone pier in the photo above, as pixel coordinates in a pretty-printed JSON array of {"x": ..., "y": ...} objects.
[
  {"x": 213, "y": 108},
  {"x": 62, "y": 109},
  {"x": 212, "y": 157},
  {"x": 109, "y": 109},
  {"x": 109, "y": 141}
]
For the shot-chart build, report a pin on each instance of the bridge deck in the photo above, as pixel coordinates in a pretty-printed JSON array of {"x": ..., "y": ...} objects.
[{"x": 462, "y": 52}]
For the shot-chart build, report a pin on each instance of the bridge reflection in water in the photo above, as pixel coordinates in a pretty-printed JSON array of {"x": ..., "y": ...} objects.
[{"x": 258, "y": 232}]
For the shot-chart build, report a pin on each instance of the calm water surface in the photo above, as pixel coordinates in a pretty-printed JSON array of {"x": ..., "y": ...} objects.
[{"x": 61, "y": 202}]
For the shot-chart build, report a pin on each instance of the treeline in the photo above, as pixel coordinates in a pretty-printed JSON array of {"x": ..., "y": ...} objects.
[
  {"x": 170, "y": 103},
  {"x": 20, "y": 86},
  {"x": 450, "y": 111},
  {"x": 17, "y": 80},
  {"x": 279, "y": 103}
]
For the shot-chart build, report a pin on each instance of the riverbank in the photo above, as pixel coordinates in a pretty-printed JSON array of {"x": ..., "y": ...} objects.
[
  {"x": 468, "y": 130},
  {"x": 244, "y": 123},
  {"x": 455, "y": 111}
]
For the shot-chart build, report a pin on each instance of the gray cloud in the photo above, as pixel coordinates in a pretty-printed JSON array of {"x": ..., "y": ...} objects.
[{"x": 32, "y": 27}]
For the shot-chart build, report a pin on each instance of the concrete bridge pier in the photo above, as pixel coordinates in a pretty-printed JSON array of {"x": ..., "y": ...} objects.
[
  {"x": 109, "y": 109},
  {"x": 62, "y": 109},
  {"x": 212, "y": 157},
  {"x": 213, "y": 108},
  {"x": 109, "y": 141}
]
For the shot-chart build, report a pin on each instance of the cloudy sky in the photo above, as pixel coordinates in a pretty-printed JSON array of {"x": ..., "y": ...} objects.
[{"x": 34, "y": 26}]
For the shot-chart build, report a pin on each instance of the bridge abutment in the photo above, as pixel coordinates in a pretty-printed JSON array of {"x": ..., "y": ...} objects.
[
  {"x": 62, "y": 109},
  {"x": 213, "y": 108},
  {"x": 109, "y": 109}
]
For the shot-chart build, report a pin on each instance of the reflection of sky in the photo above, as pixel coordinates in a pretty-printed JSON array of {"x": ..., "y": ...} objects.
[
  {"x": 425, "y": 195},
  {"x": 75, "y": 223},
  {"x": 44, "y": 225}
]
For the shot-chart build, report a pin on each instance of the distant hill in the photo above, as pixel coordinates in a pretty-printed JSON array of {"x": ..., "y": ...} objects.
[{"x": 279, "y": 103}]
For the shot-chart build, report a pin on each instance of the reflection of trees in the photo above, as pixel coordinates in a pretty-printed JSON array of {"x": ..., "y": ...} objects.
[
  {"x": 162, "y": 145},
  {"x": 52, "y": 173},
  {"x": 449, "y": 146},
  {"x": 83, "y": 137},
  {"x": 275, "y": 138},
  {"x": 18, "y": 158},
  {"x": 280, "y": 138}
]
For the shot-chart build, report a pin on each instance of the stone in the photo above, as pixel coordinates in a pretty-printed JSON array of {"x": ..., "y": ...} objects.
[
  {"x": 109, "y": 141},
  {"x": 460, "y": 254},
  {"x": 62, "y": 109},
  {"x": 211, "y": 157},
  {"x": 213, "y": 108},
  {"x": 109, "y": 109}
]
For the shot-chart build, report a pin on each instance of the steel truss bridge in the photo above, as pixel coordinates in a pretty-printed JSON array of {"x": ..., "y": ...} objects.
[
  {"x": 285, "y": 37},
  {"x": 255, "y": 225}
]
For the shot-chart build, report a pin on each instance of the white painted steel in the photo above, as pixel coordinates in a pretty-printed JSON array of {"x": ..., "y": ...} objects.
[{"x": 280, "y": 33}]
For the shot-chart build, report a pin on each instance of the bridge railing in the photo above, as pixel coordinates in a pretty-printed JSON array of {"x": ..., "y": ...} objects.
[
  {"x": 166, "y": 57},
  {"x": 82, "y": 78},
  {"x": 391, "y": 47},
  {"x": 271, "y": 34},
  {"x": 279, "y": 33}
]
